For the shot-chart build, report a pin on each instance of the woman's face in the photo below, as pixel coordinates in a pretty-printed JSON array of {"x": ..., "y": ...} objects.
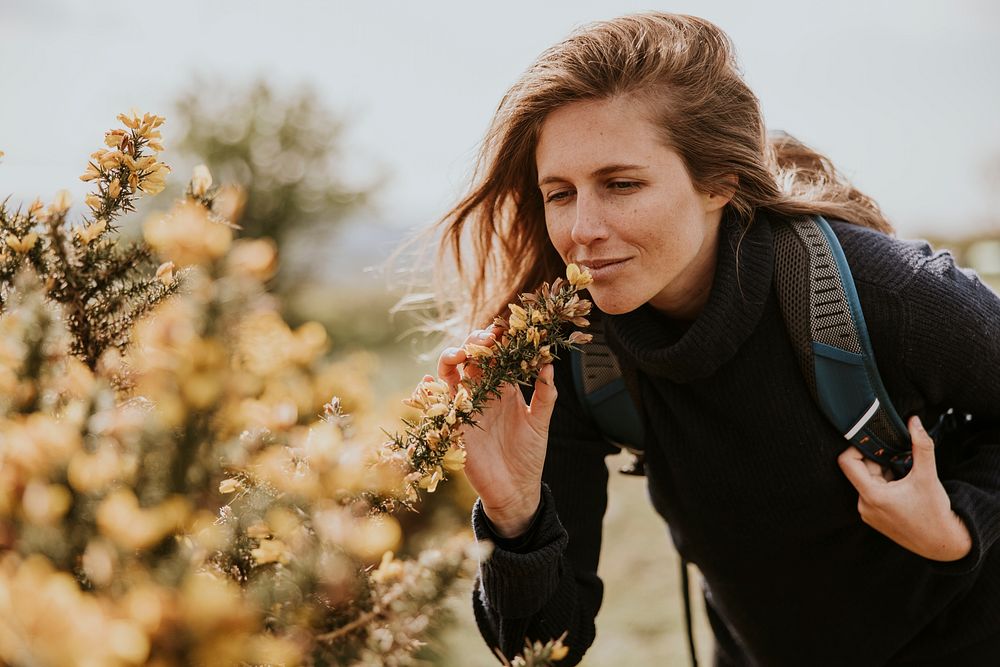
[{"x": 619, "y": 202}]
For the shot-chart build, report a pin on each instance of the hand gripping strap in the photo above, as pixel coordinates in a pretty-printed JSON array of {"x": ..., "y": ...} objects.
[{"x": 834, "y": 350}]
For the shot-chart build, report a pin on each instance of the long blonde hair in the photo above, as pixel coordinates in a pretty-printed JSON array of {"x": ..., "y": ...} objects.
[{"x": 494, "y": 243}]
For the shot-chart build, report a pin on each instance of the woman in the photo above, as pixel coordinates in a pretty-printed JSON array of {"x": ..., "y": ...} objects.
[{"x": 634, "y": 148}]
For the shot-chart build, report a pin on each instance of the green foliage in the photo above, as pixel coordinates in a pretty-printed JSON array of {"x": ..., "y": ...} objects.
[{"x": 284, "y": 150}]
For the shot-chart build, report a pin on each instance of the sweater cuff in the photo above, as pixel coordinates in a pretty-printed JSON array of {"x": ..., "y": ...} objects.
[
  {"x": 978, "y": 511},
  {"x": 520, "y": 544},
  {"x": 517, "y": 583}
]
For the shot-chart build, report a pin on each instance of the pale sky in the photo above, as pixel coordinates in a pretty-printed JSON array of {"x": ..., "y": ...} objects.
[{"x": 903, "y": 96}]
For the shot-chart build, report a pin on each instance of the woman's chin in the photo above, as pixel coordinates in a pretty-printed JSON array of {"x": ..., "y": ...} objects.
[{"x": 610, "y": 304}]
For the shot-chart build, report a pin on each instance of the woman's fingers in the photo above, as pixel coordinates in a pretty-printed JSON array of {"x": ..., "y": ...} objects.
[
  {"x": 543, "y": 399},
  {"x": 454, "y": 362},
  {"x": 923, "y": 450},
  {"x": 448, "y": 363},
  {"x": 853, "y": 463}
]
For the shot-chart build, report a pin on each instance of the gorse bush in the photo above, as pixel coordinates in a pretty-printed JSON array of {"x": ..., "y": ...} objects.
[{"x": 179, "y": 482}]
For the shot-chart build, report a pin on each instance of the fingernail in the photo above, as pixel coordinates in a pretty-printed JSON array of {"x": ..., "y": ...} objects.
[{"x": 485, "y": 335}]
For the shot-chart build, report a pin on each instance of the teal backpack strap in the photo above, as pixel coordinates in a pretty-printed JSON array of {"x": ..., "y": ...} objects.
[
  {"x": 824, "y": 320},
  {"x": 603, "y": 392}
]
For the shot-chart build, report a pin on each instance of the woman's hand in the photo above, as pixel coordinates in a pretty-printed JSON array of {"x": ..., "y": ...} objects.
[
  {"x": 915, "y": 512},
  {"x": 506, "y": 451}
]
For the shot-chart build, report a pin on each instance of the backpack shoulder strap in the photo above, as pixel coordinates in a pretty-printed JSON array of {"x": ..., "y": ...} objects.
[
  {"x": 603, "y": 390},
  {"x": 823, "y": 316}
]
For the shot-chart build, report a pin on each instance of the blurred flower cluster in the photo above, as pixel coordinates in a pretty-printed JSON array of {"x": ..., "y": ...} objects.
[
  {"x": 531, "y": 336},
  {"x": 187, "y": 492}
]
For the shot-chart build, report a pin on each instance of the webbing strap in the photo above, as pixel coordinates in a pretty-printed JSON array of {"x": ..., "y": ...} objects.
[{"x": 688, "y": 622}]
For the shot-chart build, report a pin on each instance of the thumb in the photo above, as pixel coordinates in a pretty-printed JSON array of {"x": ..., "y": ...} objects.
[
  {"x": 543, "y": 400},
  {"x": 923, "y": 447}
]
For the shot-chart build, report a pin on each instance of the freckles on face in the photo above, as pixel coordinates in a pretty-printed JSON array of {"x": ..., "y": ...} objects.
[{"x": 621, "y": 202}]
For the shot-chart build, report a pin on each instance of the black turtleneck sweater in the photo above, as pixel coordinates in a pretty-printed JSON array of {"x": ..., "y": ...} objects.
[{"x": 743, "y": 467}]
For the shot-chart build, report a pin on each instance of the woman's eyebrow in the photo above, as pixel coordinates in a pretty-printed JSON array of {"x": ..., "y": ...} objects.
[{"x": 603, "y": 171}]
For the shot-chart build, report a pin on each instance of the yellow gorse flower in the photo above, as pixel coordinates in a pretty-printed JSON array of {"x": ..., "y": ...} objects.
[
  {"x": 114, "y": 138},
  {"x": 201, "y": 181},
  {"x": 577, "y": 277},
  {"x": 61, "y": 203},
  {"x": 91, "y": 231},
  {"x": 165, "y": 273},
  {"x": 92, "y": 172},
  {"x": 22, "y": 245},
  {"x": 271, "y": 551}
]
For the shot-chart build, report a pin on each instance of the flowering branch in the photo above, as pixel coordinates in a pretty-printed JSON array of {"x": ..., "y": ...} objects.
[
  {"x": 529, "y": 338},
  {"x": 102, "y": 287},
  {"x": 537, "y": 654}
]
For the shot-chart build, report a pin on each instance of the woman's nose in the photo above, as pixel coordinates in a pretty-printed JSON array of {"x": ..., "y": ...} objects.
[{"x": 589, "y": 225}]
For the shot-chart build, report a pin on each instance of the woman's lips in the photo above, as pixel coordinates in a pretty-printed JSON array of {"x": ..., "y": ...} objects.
[{"x": 603, "y": 268}]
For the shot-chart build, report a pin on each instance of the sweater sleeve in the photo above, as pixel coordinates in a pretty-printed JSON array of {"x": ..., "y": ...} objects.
[
  {"x": 545, "y": 583},
  {"x": 951, "y": 354}
]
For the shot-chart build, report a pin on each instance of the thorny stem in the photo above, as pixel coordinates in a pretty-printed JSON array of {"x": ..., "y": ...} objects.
[{"x": 530, "y": 338}]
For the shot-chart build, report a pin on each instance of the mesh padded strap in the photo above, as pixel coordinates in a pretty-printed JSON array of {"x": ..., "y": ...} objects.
[{"x": 824, "y": 319}]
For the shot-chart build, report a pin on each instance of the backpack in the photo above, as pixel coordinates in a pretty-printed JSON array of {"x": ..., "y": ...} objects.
[{"x": 824, "y": 320}]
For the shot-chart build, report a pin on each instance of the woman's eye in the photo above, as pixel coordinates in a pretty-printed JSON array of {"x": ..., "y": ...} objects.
[
  {"x": 558, "y": 195},
  {"x": 624, "y": 185}
]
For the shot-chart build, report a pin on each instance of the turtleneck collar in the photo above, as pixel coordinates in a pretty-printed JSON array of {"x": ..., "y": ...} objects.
[{"x": 662, "y": 347}]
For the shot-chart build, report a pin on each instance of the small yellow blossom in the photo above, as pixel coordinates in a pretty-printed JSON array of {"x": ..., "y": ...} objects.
[
  {"x": 111, "y": 159},
  {"x": 93, "y": 201},
  {"x": 165, "y": 273},
  {"x": 187, "y": 235},
  {"x": 558, "y": 652},
  {"x": 154, "y": 181},
  {"x": 463, "y": 401},
  {"x": 91, "y": 231},
  {"x": 518, "y": 317},
  {"x": 145, "y": 163},
  {"x": 201, "y": 181},
  {"x": 114, "y": 138},
  {"x": 93, "y": 172},
  {"x": 430, "y": 482},
  {"x": 436, "y": 410},
  {"x": 130, "y": 120},
  {"x": 474, "y": 351},
  {"x": 45, "y": 503},
  {"x": 61, "y": 203},
  {"x": 230, "y": 485},
  {"x": 114, "y": 189},
  {"x": 577, "y": 277},
  {"x": 454, "y": 460},
  {"x": 533, "y": 335},
  {"x": 254, "y": 258},
  {"x": 545, "y": 354},
  {"x": 271, "y": 551},
  {"x": 22, "y": 245}
]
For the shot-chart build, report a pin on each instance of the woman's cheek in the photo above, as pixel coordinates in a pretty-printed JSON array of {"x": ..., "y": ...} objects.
[{"x": 559, "y": 235}]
